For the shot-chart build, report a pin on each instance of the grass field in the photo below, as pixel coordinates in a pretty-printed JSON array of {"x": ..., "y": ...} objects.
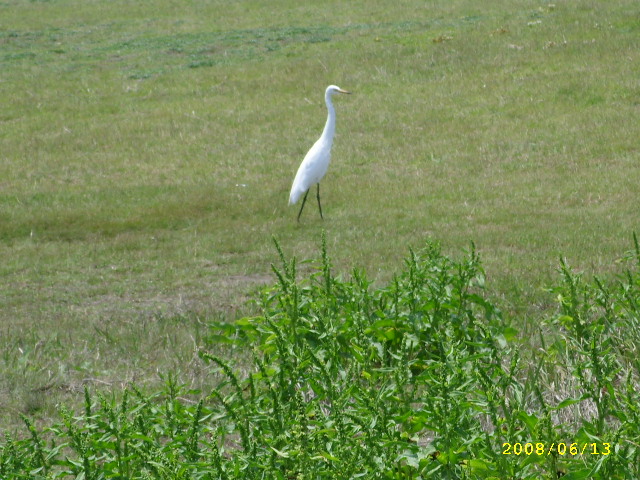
[{"x": 147, "y": 149}]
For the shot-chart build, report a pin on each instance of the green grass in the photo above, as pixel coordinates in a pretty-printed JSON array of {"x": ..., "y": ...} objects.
[{"x": 147, "y": 151}]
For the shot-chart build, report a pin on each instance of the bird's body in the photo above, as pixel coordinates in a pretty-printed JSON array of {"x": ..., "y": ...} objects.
[
  {"x": 312, "y": 169},
  {"x": 316, "y": 161}
]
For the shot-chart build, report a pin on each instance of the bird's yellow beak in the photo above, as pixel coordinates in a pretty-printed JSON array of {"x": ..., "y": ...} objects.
[{"x": 344, "y": 91}]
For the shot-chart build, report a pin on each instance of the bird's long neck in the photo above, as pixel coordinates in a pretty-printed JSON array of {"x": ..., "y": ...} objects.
[{"x": 330, "y": 126}]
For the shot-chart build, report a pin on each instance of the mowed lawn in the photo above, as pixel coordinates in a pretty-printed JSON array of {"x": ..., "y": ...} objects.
[{"x": 147, "y": 150}]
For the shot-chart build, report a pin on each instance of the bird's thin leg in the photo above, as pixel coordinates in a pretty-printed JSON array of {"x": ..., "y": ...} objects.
[
  {"x": 319, "y": 206},
  {"x": 303, "y": 200}
]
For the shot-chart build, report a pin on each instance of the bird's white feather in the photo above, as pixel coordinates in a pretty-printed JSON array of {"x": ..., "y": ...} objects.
[
  {"x": 316, "y": 161},
  {"x": 312, "y": 169}
]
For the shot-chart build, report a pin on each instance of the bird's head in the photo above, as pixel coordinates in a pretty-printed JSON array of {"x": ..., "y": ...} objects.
[{"x": 331, "y": 89}]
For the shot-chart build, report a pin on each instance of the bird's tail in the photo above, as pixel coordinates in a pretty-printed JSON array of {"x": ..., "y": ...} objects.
[{"x": 294, "y": 196}]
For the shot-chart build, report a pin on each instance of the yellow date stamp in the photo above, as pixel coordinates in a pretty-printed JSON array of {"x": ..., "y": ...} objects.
[{"x": 559, "y": 448}]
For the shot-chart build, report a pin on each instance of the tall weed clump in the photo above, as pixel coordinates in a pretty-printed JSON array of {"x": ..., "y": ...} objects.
[
  {"x": 599, "y": 347},
  {"x": 422, "y": 378},
  {"x": 374, "y": 381}
]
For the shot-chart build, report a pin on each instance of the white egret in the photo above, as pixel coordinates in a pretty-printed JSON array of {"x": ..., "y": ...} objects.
[{"x": 316, "y": 161}]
